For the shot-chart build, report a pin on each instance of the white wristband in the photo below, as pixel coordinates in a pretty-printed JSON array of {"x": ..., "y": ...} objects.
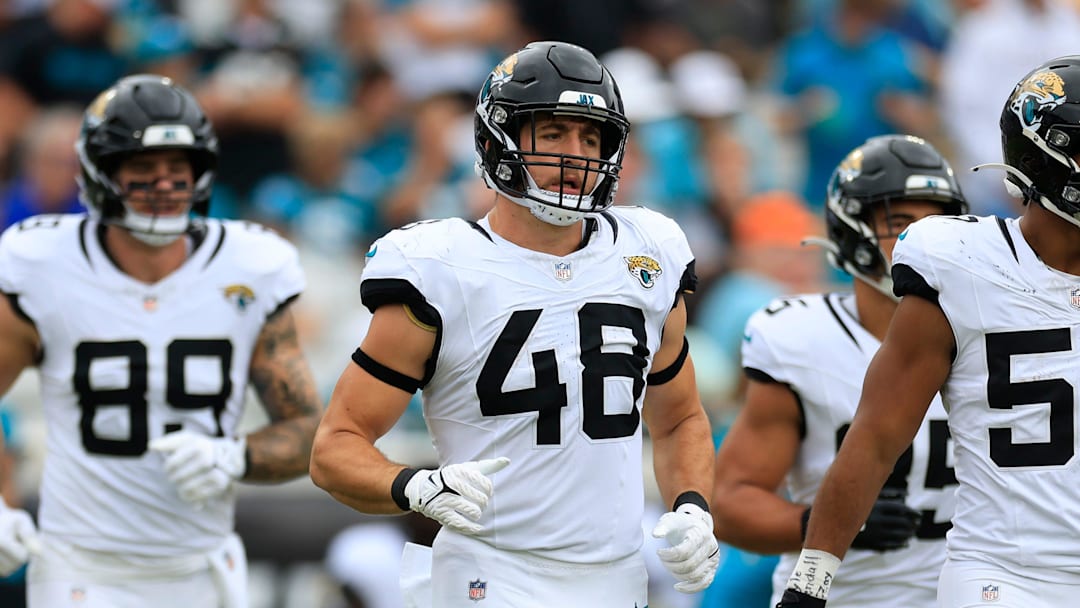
[{"x": 814, "y": 572}]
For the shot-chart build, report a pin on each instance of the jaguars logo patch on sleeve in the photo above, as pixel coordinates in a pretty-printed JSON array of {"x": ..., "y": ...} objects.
[{"x": 645, "y": 269}]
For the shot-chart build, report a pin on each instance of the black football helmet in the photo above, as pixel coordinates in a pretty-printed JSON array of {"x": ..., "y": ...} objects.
[
  {"x": 885, "y": 169},
  {"x": 138, "y": 114},
  {"x": 547, "y": 78},
  {"x": 1040, "y": 137}
]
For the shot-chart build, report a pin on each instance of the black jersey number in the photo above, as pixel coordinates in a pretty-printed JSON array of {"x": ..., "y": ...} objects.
[
  {"x": 548, "y": 395},
  {"x": 938, "y": 474},
  {"x": 1003, "y": 394},
  {"x": 783, "y": 304},
  {"x": 133, "y": 396}
]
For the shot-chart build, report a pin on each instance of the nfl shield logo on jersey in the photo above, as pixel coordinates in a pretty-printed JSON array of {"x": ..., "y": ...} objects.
[
  {"x": 1074, "y": 297},
  {"x": 477, "y": 590},
  {"x": 990, "y": 593},
  {"x": 562, "y": 271}
]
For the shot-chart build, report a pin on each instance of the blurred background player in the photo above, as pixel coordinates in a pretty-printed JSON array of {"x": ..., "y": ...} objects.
[
  {"x": 147, "y": 322},
  {"x": 805, "y": 357}
]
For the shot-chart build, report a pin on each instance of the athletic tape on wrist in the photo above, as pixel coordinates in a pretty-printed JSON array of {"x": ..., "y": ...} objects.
[{"x": 814, "y": 572}]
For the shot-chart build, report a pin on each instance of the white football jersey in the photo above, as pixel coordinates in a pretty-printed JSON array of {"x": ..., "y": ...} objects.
[
  {"x": 125, "y": 362},
  {"x": 542, "y": 359},
  {"x": 816, "y": 346},
  {"x": 1012, "y": 391}
]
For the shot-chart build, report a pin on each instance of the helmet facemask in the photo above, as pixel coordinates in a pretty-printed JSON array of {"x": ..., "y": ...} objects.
[
  {"x": 152, "y": 215},
  {"x": 169, "y": 211},
  {"x": 516, "y": 161}
]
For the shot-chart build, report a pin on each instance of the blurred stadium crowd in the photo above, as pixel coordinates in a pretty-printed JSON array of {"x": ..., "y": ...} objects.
[{"x": 341, "y": 119}]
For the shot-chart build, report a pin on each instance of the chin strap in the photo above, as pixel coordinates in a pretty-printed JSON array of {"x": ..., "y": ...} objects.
[
  {"x": 884, "y": 284},
  {"x": 1029, "y": 192}
]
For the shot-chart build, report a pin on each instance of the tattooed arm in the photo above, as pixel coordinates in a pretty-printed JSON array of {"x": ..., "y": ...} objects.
[{"x": 282, "y": 378}]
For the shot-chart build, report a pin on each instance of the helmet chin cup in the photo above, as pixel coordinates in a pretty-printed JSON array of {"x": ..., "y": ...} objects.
[
  {"x": 554, "y": 215},
  {"x": 154, "y": 239},
  {"x": 155, "y": 231}
]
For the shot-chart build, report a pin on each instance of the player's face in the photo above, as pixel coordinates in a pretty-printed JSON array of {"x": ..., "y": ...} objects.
[
  {"x": 892, "y": 219},
  {"x": 157, "y": 183},
  {"x": 567, "y": 135}
]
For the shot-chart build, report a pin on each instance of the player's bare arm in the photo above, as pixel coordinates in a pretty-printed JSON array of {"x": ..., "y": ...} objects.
[
  {"x": 282, "y": 378},
  {"x": 19, "y": 344},
  {"x": 756, "y": 454},
  {"x": 912, "y": 364},
  {"x": 345, "y": 461},
  {"x": 678, "y": 425}
]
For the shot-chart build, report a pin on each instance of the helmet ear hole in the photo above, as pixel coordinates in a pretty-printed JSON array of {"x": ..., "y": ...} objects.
[{"x": 865, "y": 256}]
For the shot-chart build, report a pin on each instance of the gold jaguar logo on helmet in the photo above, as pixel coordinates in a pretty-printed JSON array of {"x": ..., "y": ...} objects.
[
  {"x": 505, "y": 70},
  {"x": 96, "y": 110},
  {"x": 643, "y": 268},
  {"x": 1037, "y": 93},
  {"x": 499, "y": 76},
  {"x": 851, "y": 166}
]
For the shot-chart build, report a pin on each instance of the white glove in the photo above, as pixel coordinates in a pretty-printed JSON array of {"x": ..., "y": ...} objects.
[
  {"x": 694, "y": 553},
  {"x": 201, "y": 467},
  {"x": 18, "y": 538},
  {"x": 454, "y": 495}
]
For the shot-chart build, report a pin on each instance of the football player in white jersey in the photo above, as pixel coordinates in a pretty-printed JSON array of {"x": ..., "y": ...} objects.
[
  {"x": 805, "y": 357},
  {"x": 147, "y": 325},
  {"x": 990, "y": 318},
  {"x": 533, "y": 334}
]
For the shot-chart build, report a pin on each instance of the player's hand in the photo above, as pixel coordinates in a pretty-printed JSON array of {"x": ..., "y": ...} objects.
[
  {"x": 798, "y": 599},
  {"x": 18, "y": 538},
  {"x": 454, "y": 495},
  {"x": 889, "y": 527},
  {"x": 201, "y": 467},
  {"x": 694, "y": 553}
]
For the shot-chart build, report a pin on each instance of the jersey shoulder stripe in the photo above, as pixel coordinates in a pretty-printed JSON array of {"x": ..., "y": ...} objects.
[
  {"x": 798, "y": 331},
  {"x": 939, "y": 245},
  {"x": 653, "y": 227}
]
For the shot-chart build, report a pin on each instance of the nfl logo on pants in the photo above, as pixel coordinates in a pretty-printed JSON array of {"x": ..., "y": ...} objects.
[
  {"x": 989, "y": 593},
  {"x": 478, "y": 589}
]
